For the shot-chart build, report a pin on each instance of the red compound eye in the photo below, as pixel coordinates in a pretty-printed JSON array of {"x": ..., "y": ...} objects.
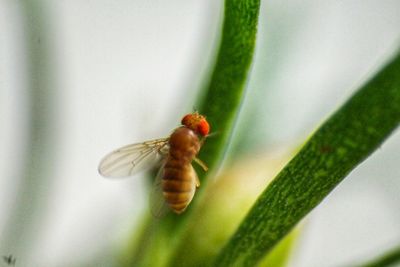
[
  {"x": 187, "y": 120},
  {"x": 197, "y": 123},
  {"x": 203, "y": 128}
]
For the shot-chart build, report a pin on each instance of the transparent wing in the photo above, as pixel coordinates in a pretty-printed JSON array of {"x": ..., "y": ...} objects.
[
  {"x": 158, "y": 206},
  {"x": 131, "y": 159}
]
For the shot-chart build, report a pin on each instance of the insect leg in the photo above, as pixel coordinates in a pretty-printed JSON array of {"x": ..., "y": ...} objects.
[{"x": 201, "y": 163}]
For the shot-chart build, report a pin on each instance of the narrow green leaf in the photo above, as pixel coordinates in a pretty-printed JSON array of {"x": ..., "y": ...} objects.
[
  {"x": 337, "y": 147},
  {"x": 223, "y": 98},
  {"x": 221, "y": 103},
  {"x": 40, "y": 144}
]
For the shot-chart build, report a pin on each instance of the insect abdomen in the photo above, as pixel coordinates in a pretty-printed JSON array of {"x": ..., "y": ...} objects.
[
  {"x": 178, "y": 186},
  {"x": 179, "y": 179}
]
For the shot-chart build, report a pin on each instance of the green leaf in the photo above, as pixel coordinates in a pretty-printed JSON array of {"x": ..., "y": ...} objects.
[
  {"x": 221, "y": 103},
  {"x": 337, "y": 147}
]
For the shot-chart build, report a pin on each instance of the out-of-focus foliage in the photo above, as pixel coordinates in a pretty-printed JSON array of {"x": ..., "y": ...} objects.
[
  {"x": 391, "y": 258},
  {"x": 224, "y": 204}
]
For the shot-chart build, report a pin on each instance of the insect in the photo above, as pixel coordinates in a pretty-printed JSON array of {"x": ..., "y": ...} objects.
[
  {"x": 176, "y": 181},
  {"x": 10, "y": 260}
]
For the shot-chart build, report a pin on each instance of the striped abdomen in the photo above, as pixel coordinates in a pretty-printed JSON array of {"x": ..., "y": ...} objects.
[{"x": 179, "y": 179}]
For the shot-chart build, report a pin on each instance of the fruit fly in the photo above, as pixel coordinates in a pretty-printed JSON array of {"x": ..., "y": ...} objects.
[{"x": 176, "y": 181}]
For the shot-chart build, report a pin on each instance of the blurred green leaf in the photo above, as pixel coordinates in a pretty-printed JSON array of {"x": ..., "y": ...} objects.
[
  {"x": 225, "y": 203},
  {"x": 338, "y": 146},
  {"x": 390, "y": 258},
  {"x": 41, "y": 116}
]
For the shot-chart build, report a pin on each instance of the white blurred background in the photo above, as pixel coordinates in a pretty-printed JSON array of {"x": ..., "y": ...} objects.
[{"x": 117, "y": 72}]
